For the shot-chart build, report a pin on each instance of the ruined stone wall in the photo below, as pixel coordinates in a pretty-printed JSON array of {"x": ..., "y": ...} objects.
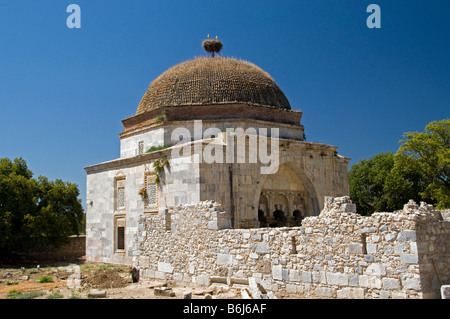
[{"x": 339, "y": 254}]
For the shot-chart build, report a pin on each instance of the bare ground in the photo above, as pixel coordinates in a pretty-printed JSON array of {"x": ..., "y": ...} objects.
[{"x": 114, "y": 279}]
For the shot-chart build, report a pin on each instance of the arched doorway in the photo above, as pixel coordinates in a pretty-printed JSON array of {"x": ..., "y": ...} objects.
[{"x": 284, "y": 198}]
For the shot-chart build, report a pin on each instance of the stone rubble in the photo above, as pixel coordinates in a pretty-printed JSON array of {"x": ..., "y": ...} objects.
[{"x": 338, "y": 254}]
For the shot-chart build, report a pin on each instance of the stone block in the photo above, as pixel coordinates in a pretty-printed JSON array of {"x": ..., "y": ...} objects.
[
  {"x": 262, "y": 248},
  {"x": 294, "y": 275},
  {"x": 407, "y": 235},
  {"x": 160, "y": 275},
  {"x": 412, "y": 283},
  {"x": 245, "y": 294},
  {"x": 370, "y": 282},
  {"x": 256, "y": 290},
  {"x": 97, "y": 293},
  {"x": 390, "y": 236},
  {"x": 306, "y": 276},
  {"x": 348, "y": 208},
  {"x": 376, "y": 269},
  {"x": 391, "y": 284},
  {"x": 371, "y": 248},
  {"x": 285, "y": 274},
  {"x": 224, "y": 259},
  {"x": 398, "y": 295},
  {"x": 324, "y": 292},
  {"x": 187, "y": 294},
  {"x": 164, "y": 291},
  {"x": 178, "y": 276},
  {"x": 355, "y": 248},
  {"x": 291, "y": 288},
  {"x": 203, "y": 280},
  {"x": 353, "y": 280},
  {"x": 165, "y": 267},
  {"x": 253, "y": 256},
  {"x": 351, "y": 293},
  {"x": 409, "y": 258},
  {"x": 445, "y": 292},
  {"x": 277, "y": 272},
  {"x": 338, "y": 279}
]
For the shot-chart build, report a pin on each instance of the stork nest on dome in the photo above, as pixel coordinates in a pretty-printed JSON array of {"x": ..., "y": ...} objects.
[{"x": 212, "y": 45}]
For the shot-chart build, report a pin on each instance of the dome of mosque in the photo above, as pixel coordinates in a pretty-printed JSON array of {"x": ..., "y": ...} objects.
[{"x": 213, "y": 81}]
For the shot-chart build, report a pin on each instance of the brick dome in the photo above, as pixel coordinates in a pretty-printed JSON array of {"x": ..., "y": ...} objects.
[{"x": 213, "y": 81}]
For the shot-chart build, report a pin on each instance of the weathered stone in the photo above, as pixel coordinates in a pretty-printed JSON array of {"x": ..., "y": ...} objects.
[
  {"x": 165, "y": 267},
  {"x": 407, "y": 235},
  {"x": 245, "y": 294},
  {"x": 338, "y": 279},
  {"x": 187, "y": 294},
  {"x": 164, "y": 291},
  {"x": 277, "y": 272},
  {"x": 351, "y": 293},
  {"x": 203, "y": 280},
  {"x": 409, "y": 258},
  {"x": 355, "y": 248},
  {"x": 256, "y": 290},
  {"x": 262, "y": 248},
  {"x": 306, "y": 276},
  {"x": 324, "y": 292},
  {"x": 224, "y": 259},
  {"x": 445, "y": 292},
  {"x": 376, "y": 269},
  {"x": 294, "y": 275},
  {"x": 328, "y": 260},
  {"x": 391, "y": 284},
  {"x": 97, "y": 293},
  {"x": 412, "y": 283},
  {"x": 349, "y": 208}
]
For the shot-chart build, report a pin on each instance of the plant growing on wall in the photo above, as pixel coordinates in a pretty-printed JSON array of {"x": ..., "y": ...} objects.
[
  {"x": 143, "y": 193},
  {"x": 157, "y": 148},
  {"x": 159, "y": 165},
  {"x": 161, "y": 117}
]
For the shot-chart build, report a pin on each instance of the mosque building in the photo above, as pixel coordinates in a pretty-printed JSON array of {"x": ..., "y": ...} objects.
[{"x": 212, "y": 128}]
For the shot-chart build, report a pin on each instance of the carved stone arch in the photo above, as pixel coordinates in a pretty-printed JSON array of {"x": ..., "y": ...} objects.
[
  {"x": 120, "y": 174},
  {"x": 310, "y": 201}
]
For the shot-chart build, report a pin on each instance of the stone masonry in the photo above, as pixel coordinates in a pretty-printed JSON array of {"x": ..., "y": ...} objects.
[{"x": 338, "y": 254}]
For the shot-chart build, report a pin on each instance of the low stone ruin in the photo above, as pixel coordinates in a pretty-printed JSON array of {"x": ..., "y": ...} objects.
[{"x": 338, "y": 254}]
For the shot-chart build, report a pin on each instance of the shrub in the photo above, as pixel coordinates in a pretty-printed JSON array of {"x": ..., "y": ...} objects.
[
  {"x": 45, "y": 279},
  {"x": 55, "y": 295},
  {"x": 18, "y": 294}
]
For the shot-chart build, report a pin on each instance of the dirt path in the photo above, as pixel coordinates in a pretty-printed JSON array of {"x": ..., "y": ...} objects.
[
  {"x": 114, "y": 279},
  {"x": 66, "y": 281}
]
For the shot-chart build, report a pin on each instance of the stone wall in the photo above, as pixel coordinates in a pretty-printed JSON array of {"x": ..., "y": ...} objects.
[
  {"x": 339, "y": 254},
  {"x": 75, "y": 248}
]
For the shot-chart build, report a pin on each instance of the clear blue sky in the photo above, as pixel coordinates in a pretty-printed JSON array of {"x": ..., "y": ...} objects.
[{"x": 64, "y": 92}]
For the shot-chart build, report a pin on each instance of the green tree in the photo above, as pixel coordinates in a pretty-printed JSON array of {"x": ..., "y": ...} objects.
[
  {"x": 377, "y": 184},
  {"x": 428, "y": 153},
  {"x": 367, "y": 182},
  {"x": 35, "y": 213},
  {"x": 419, "y": 171}
]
